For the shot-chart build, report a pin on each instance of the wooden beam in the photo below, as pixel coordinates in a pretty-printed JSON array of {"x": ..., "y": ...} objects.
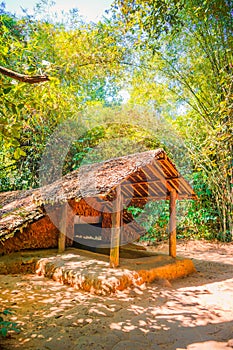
[
  {"x": 148, "y": 182},
  {"x": 158, "y": 197},
  {"x": 159, "y": 174},
  {"x": 78, "y": 219},
  {"x": 62, "y": 228},
  {"x": 116, "y": 228},
  {"x": 172, "y": 224}
]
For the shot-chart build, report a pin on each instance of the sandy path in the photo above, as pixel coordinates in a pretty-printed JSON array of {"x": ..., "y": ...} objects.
[{"x": 193, "y": 313}]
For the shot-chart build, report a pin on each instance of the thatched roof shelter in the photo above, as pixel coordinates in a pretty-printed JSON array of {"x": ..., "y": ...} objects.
[{"x": 141, "y": 177}]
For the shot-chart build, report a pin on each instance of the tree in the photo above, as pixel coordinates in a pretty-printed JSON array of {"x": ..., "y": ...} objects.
[
  {"x": 82, "y": 67},
  {"x": 190, "y": 43}
]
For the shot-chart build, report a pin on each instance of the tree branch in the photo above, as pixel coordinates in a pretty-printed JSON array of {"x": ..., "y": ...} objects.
[{"x": 23, "y": 77}]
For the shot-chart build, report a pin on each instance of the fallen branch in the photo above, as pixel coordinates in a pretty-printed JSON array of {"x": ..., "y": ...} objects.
[{"x": 23, "y": 77}]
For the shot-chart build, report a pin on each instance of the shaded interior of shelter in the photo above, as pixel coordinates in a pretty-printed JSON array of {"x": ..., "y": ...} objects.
[
  {"x": 88, "y": 236},
  {"x": 91, "y": 234}
]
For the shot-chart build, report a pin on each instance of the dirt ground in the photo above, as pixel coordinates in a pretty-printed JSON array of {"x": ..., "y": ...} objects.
[{"x": 192, "y": 313}]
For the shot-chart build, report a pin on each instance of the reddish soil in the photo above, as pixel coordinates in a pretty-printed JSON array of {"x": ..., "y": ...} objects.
[{"x": 192, "y": 313}]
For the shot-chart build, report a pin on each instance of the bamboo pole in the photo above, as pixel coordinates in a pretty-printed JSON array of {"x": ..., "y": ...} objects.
[
  {"x": 62, "y": 228},
  {"x": 116, "y": 229},
  {"x": 172, "y": 224}
]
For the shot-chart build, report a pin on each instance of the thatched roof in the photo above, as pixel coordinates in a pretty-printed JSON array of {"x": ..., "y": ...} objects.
[{"x": 143, "y": 176}]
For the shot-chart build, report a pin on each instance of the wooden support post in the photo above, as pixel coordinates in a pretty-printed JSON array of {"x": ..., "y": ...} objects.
[
  {"x": 116, "y": 229},
  {"x": 62, "y": 228},
  {"x": 172, "y": 224}
]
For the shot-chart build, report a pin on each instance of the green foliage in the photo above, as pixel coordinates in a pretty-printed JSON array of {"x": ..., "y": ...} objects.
[
  {"x": 151, "y": 19},
  {"x": 195, "y": 219},
  {"x": 154, "y": 218},
  {"x": 7, "y": 326},
  {"x": 200, "y": 77},
  {"x": 82, "y": 62},
  {"x": 109, "y": 141},
  {"x": 180, "y": 98}
]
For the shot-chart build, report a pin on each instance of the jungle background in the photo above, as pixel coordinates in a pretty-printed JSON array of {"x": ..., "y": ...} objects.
[{"x": 150, "y": 74}]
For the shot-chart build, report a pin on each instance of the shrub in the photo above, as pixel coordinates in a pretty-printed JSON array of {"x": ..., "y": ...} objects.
[{"x": 6, "y": 326}]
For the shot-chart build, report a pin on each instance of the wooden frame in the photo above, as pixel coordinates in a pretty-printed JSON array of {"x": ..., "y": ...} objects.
[
  {"x": 80, "y": 219},
  {"x": 172, "y": 224},
  {"x": 62, "y": 227},
  {"x": 116, "y": 228}
]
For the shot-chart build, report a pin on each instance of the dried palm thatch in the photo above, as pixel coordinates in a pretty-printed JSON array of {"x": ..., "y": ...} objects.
[
  {"x": 143, "y": 177},
  {"x": 152, "y": 170}
]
